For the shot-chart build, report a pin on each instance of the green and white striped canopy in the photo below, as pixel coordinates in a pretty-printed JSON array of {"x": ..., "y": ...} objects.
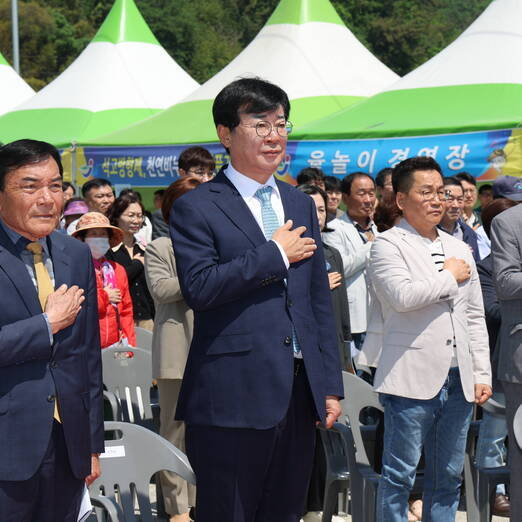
[
  {"x": 305, "y": 48},
  {"x": 122, "y": 76},
  {"x": 473, "y": 84},
  {"x": 13, "y": 90}
]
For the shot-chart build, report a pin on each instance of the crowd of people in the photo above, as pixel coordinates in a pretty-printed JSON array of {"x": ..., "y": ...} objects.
[{"x": 258, "y": 295}]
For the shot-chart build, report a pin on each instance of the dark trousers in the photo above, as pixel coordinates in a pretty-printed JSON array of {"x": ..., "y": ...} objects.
[
  {"x": 513, "y": 393},
  {"x": 249, "y": 475},
  {"x": 52, "y": 494}
]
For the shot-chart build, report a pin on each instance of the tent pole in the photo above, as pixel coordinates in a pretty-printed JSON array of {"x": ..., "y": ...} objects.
[
  {"x": 73, "y": 167},
  {"x": 14, "y": 23}
]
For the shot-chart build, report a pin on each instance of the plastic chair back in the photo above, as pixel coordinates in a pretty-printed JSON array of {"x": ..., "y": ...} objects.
[
  {"x": 143, "y": 338},
  {"x": 358, "y": 395},
  {"x": 517, "y": 426},
  {"x": 127, "y": 373},
  {"x": 128, "y": 463},
  {"x": 495, "y": 407}
]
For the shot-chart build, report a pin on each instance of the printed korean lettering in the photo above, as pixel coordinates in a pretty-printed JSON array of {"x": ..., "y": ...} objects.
[
  {"x": 221, "y": 158},
  {"x": 398, "y": 156},
  {"x": 138, "y": 167},
  {"x": 113, "y": 167},
  {"x": 429, "y": 152},
  {"x": 366, "y": 159},
  {"x": 106, "y": 166},
  {"x": 456, "y": 157},
  {"x": 150, "y": 167},
  {"x": 340, "y": 163},
  {"x": 129, "y": 167},
  {"x": 316, "y": 159},
  {"x": 120, "y": 165}
]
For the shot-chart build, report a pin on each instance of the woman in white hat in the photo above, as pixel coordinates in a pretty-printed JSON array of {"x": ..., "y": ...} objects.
[{"x": 114, "y": 300}]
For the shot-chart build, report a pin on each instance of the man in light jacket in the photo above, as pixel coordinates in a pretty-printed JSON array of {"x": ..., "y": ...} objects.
[
  {"x": 352, "y": 235},
  {"x": 434, "y": 361}
]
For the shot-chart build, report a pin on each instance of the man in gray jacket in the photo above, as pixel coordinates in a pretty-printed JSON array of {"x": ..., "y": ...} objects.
[{"x": 506, "y": 234}]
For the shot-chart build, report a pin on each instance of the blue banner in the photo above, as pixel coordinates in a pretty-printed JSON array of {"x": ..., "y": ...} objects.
[{"x": 485, "y": 155}]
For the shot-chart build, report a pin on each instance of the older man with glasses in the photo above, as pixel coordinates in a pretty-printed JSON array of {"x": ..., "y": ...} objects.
[{"x": 452, "y": 220}]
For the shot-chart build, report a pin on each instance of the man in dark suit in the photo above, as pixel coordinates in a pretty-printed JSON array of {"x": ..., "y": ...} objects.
[
  {"x": 506, "y": 249},
  {"x": 51, "y": 421},
  {"x": 263, "y": 365}
]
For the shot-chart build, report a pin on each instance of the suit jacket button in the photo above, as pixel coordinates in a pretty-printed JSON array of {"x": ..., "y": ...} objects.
[
  {"x": 50, "y": 398},
  {"x": 289, "y": 303},
  {"x": 53, "y": 364},
  {"x": 288, "y": 340}
]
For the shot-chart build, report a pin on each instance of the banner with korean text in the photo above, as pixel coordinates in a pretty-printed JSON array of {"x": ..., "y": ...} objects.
[{"x": 485, "y": 155}]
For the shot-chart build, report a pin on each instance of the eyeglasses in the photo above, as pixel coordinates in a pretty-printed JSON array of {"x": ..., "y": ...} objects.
[
  {"x": 430, "y": 195},
  {"x": 201, "y": 173},
  {"x": 264, "y": 128}
]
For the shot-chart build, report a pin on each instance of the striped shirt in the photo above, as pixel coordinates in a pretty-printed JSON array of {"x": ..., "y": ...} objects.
[{"x": 437, "y": 255}]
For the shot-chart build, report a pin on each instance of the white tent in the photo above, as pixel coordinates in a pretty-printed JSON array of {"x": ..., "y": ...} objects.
[
  {"x": 487, "y": 52},
  {"x": 474, "y": 84},
  {"x": 123, "y": 76},
  {"x": 305, "y": 48},
  {"x": 13, "y": 90}
]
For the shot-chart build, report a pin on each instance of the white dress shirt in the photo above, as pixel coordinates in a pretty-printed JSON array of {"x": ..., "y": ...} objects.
[{"x": 247, "y": 187}]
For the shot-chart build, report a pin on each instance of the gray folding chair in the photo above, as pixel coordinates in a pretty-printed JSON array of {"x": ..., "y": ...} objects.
[
  {"x": 128, "y": 374},
  {"x": 363, "y": 479},
  {"x": 480, "y": 483},
  {"x": 517, "y": 426},
  {"x": 337, "y": 478},
  {"x": 143, "y": 338},
  {"x": 129, "y": 461},
  {"x": 359, "y": 440}
]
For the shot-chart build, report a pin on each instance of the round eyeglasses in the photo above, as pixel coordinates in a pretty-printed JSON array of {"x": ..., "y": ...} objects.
[{"x": 264, "y": 128}]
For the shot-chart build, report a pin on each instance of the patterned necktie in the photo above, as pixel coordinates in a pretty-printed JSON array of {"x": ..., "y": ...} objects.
[
  {"x": 270, "y": 225},
  {"x": 45, "y": 289}
]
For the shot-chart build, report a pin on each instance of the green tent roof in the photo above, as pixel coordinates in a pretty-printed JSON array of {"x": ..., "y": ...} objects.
[
  {"x": 473, "y": 84},
  {"x": 124, "y": 23},
  {"x": 423, "y": 111},
  {"x": 319, "y": 63},
  {"x": 3, "y": 61},
  {"x": 303, "y": 11}
]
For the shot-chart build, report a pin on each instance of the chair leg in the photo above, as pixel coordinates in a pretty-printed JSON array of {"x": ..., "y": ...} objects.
[
  {"x": 470, "y": 487},
  {"x": 331, "y": 494},
  {"x": 484, "y": 498}
]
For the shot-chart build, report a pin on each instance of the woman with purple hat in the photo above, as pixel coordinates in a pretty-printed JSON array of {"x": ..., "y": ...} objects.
[{"x": 74, "y": 209}]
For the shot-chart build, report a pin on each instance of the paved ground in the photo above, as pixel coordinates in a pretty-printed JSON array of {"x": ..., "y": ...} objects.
[{"x": 461, "y": 517}]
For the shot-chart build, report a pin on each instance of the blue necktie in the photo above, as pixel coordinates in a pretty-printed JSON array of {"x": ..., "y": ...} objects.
[{"x": 270, "y": 225}]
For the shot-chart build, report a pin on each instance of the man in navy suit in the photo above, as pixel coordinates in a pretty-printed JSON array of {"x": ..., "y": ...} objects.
[
  {"x": 51, "y": 419},
  {"x": 263, "y": 366}
]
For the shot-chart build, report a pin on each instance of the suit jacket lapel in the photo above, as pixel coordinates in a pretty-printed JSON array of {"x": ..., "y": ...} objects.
[
  {"x": 232, "y": 204},
  {"x": 60, "y": 259},
  {"x": 13, "y": 266}
]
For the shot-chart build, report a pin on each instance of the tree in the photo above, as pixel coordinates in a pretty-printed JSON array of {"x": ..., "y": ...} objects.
[{"x": 205, "y": 35}]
